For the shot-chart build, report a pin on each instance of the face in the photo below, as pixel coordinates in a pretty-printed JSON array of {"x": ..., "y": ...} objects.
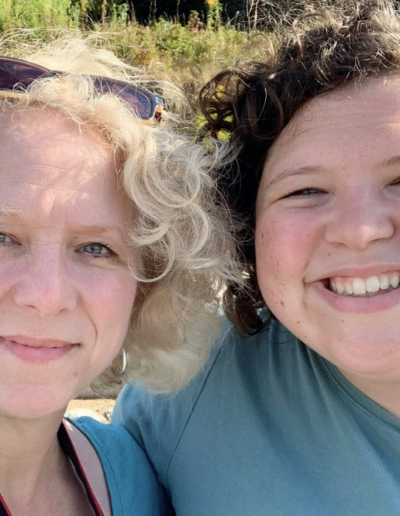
[
  {"x": 66, "y": 291},
  {"x": 328, "y": 229}
]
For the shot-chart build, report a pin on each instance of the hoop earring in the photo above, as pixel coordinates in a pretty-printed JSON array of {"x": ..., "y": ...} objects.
[{"x": 124, "y": 362}]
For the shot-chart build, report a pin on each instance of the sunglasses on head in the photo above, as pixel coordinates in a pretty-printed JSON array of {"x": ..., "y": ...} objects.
[{"x": 16, "y": 75}]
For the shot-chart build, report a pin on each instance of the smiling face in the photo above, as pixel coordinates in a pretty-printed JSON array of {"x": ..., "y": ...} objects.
[
  {"x": 66, "y": 292},
  {"x": 328, "y": 229}
]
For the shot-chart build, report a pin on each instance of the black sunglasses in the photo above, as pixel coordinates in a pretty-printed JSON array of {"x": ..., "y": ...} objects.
[{"x": 16, "y": 75}]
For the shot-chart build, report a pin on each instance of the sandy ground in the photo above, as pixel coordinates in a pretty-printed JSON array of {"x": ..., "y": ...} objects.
[{"x": 100, "y": 409}]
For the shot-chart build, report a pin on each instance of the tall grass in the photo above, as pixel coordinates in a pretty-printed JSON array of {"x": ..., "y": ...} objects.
[
  {"x": 187, "y": 55},
  {"x": 37, "y": 13}
]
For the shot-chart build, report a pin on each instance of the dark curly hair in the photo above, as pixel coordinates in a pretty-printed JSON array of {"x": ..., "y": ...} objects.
[{"x": 253, "y": 101}]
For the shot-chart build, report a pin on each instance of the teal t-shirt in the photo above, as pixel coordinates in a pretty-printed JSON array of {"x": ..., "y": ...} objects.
[{"x": 268, "y": 428}]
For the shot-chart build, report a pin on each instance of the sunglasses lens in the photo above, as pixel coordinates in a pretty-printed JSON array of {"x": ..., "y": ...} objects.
[
  {"x": 141, "y": 103},
  {"x": 14, "y": 75}
]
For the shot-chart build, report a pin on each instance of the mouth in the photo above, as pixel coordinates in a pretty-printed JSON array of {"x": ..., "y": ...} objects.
[
  {"x": 36, "y": 343},
  {"x": 35, "y": 350},
  {"x": 363, "y": 287}
]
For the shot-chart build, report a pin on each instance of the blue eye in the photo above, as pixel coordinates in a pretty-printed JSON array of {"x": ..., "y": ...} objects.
[
  {"x": 97, "y": 250},
  {"x": 4, "y": 239}
]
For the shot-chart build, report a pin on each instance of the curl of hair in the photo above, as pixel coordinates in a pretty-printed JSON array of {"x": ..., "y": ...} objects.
[
  {"x": 181, "y": 233},
  {"x": 254, "y": 101}
]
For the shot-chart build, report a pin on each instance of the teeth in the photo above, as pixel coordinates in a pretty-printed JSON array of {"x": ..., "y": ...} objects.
[
  {"x": 394, "y": 280},
  {"x": 340, "y": 288},
  {"x": 372, "y": 284},
  {"x": 360, "y": 287},
  {"x": 384, "y": 283},
  {"x": 349, "y": 288}
]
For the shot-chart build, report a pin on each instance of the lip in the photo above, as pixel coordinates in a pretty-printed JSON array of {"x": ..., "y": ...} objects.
[
  {"x": 357, "y": 305},
  {"x": 359, "y": 271},
  {"x": 35, "y": 350}
]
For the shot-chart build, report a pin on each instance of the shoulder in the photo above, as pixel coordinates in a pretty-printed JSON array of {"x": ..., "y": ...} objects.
[
  {"x": 158, "y": 422},
  {"x": 135, "y": 402},
  {"x": 130, "y": 478}
]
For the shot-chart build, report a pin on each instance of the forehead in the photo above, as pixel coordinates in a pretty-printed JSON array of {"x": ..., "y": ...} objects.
[
  {"x": 45, "y": 148},
  {"x": 49, "y": 166},
  {"x": 338, "y": 121},
  {"x": 33, "y": 125}
]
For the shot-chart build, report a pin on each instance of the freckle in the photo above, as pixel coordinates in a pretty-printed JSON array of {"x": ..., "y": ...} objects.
[{"x": 297, "y": 322}]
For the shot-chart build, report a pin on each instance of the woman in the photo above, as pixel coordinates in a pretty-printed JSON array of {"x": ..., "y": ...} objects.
[
  {"x": 109, "y": 235},
  {"x": 301, "y": 417}
]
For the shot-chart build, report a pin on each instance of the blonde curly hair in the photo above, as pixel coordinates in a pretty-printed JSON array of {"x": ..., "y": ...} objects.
[{"x": 181, "y": 232}]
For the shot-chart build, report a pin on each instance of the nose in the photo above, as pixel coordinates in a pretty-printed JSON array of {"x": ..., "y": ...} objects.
[
  {"x": 45, "y": 285},
  {"x": 360, "y": 219}
]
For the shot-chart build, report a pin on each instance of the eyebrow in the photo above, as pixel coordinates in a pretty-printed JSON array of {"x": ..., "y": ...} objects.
[
  {"x": 297, "y": 171},
  {"x": 309, "y": 169},
  {"x": 10, "y": 215},
  {"x": 390, "y": 162}
]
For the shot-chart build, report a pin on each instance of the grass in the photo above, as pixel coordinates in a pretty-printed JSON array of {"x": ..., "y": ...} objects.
[{"x": 189, "y": 57}]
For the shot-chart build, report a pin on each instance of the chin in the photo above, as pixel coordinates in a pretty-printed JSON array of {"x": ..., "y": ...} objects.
[
  {"x": 352, "y": 344},
  {"x": 33, "y": 402},
  {"x": 367, "y": 358},
  {"x": 384, "y": 370}
]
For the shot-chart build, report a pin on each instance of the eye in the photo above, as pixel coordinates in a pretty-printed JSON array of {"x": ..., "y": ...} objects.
[
  {"x": 97, "y": 250},
  {"x": 5, "y": 239},
  {"x": 305, "y": 192}
]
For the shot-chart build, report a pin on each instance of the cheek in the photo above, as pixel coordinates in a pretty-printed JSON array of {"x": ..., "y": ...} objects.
[
  {"x": 283, "y": 246},
  {"x": 267, "y": 254},
  {"x": 270, "y": 247},
  {"x": 110, "y": 302}
]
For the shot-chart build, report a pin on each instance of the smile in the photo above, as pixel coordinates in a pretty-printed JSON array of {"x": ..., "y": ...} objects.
[
  {"x": 365, "y": 287},
  {"x": 348, "y": 291},
  {"x": 36, "y": 351}
]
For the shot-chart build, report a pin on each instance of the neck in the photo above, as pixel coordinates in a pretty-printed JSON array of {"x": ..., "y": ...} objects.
[
  {"x": 30, "y": 457},
  {"x": 385, "y": 392}
]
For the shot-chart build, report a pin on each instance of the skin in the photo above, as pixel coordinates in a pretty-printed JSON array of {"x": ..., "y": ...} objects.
[
  {"x": 328, "y": 205},
  {"x": 63, "y": 276}
]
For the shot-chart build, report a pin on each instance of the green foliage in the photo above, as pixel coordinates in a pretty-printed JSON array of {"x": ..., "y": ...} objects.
[
  {"x": 119, "y": 14},
  {"x": 214, "y": 8},
  {"x": 34, "y": 13},
  {"x": 187, "y": 54},
  {"x": 174, "y": 40}
]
